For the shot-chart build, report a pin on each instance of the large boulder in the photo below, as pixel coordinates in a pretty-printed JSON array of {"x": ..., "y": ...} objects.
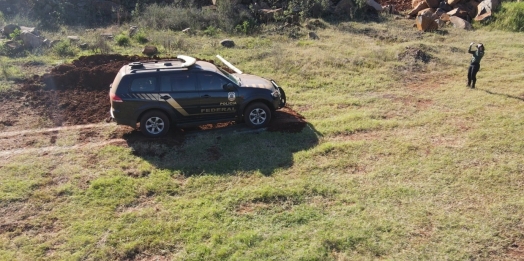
[
  {"x": 488, "y": 4},
  {"x": 10, "y": 28},
  {"x": 227, "y": 43},
  {"x": 268, "y": 15},
  {"x": 432, "y": 3},
  {"x": 374, "y": 4},
  {"x": 343, "y": 8},
  {"x": 29, "y": 30},
  {"x": 426, "y": 24},
  {"x": 460, "y": 23},
  {"x": 483, "y": 17},
  {"x": 421, "y": 6},
  {"x": 453, "y": 2},
  {"x": 429, "y": 12},
  {"x": 150, "y": 50},
  {"x": 414, "y": 3},
  {"x": 30, "y": 40},
  {"x": 459, "y": 13}
]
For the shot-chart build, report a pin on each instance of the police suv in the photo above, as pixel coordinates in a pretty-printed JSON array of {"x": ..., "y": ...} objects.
[{"x": 186, "y": 92}]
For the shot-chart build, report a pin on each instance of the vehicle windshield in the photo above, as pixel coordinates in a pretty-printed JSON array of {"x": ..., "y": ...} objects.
[{"x": 233, "y": 78}]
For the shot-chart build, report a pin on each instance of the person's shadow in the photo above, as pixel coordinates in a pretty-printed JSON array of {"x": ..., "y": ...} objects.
[
  {"x": 503, "y": 94},
  {"x": 224, "y": 152}
]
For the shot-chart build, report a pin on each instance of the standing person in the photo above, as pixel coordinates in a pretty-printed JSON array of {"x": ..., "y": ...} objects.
[{"x": 474, "y": 67}]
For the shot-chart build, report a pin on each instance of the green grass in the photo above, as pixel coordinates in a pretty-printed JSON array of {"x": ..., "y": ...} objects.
[{"x": 400, "y": 162}]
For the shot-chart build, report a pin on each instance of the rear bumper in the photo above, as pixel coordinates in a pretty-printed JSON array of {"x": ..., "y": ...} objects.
[{"x": 121, "y": 121}]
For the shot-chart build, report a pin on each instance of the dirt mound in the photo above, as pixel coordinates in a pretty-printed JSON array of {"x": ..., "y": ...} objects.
[{"x": 77, "y": 93}]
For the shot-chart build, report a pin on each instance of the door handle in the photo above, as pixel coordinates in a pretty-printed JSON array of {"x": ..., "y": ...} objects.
[
  {"x": 205, "y": 96},
  {"x": 165, "y": 97}
]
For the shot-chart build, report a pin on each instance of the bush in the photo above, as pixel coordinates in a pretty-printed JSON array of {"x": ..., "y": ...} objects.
[
  {"x": 211, "y": 31},
  {"x": 171, "y": 17},
  {"x": 100, "y": 45},
  {"x": 65, "y": 49},
  {"x": 122, "y": 40},
  {"x": 510, "y": 17},
  {"x": 141, "y": 38}
]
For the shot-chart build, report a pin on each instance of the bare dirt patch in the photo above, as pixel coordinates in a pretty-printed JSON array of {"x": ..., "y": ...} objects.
[{"x": 43, "y": 111}]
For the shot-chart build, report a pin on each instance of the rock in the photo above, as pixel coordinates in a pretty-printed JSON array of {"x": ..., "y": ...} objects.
[
  {"x": 375, "y": 5},
  {"x": 343, "y": 8},
  {"x": 83, "y": 46},
  {"x": 30, "y": 40},
  {"x": 10, "y": 28},
  {"x": 426, "y": 24},
  {"x": 313, "y": 36},
  {"x": 421, "y": 6},
  {"x": 444, "y": 17},
  {"x": 488, "y": 4},
  {"x": 459, "y": 13},
  {"x": 150, "y": 50},
  {"x": 484, "y": 9},
  {"x": 133, "y": 30},
  {"x": 30, "y": 30},
  {"x": 483, "y": 17},
  {"x": 415, "y": 3},
  {"x": 227, "y": 43},
  {"x": 429, "y": 12},
  {"x": 440, "y": 23},
  {"x": 460, "y": 23},
  {"x": 73, "y": 38},
  {"x": 107, "y": 36},
  {"x": 268, "y": 15},
  {"x": 453, "y": 2},
  {"x": 13, "y": 45},
  {"x": 432, "y": 3},
  {"x": 444, "y": 6}
]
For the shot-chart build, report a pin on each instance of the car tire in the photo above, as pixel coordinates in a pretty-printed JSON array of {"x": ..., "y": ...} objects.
[
  {"x": 257, "y": 115},
  {"x": 154, "y": 124}
]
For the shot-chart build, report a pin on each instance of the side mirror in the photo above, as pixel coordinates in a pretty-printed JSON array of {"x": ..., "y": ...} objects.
[{"x": 229, "y": 87}]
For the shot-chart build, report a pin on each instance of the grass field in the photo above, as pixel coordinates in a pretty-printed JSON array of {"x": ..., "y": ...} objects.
[{"x": 400, "y": 161}]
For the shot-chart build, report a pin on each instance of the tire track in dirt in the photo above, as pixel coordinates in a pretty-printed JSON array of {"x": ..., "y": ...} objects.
[
  {"x": 64, "y": 128},
  {"x": 56, "y": 149}
]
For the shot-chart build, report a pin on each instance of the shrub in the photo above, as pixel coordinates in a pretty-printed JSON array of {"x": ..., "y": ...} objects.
[
  {"x": 100, "y": 45},
  {"x": 141, "y": 38},
  {"x": 211, "y": 31},
  {"x": 510, "y": 17},
  {"x": 246, "y": 28},
  {"x": 171, "y": 17},
  {"x": 65, "y": 49},
  {"x": 122, "y": 40},
  {"x": 15, "y": 34}
]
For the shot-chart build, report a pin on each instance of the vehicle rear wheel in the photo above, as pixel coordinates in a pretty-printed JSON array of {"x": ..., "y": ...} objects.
[
  {"x": 257, "y": 115},
  {"x": 154, "y": 124}
]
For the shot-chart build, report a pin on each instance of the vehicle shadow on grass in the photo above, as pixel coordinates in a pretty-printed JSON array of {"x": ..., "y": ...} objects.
[{"x": 223, "y": 152}]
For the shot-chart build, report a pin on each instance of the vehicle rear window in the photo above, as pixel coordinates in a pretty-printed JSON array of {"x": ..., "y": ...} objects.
[
  {"x": 178, "y": 83},
  {"x": 146, "y": 84}
]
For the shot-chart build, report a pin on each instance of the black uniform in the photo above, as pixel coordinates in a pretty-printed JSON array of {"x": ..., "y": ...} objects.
[{"x": 474, "y": 67}]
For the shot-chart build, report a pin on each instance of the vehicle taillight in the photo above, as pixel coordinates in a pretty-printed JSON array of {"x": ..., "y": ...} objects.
[{"x": 115, "y": 97}]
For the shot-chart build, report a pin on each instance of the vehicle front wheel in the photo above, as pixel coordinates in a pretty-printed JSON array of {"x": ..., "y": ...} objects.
[
  {"x": 257, "y": 115},
  {"x": 154, "y": 124}
]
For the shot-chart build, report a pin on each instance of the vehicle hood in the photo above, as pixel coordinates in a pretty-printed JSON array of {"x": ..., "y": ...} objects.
[{"x": 254, "y": 81}]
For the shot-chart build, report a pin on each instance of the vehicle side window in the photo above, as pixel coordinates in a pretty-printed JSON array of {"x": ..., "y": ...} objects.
[
  {"x": 146, "y": 84},
  {"x": 211, "y": 82},
  {"x": 177, "y": 83}
]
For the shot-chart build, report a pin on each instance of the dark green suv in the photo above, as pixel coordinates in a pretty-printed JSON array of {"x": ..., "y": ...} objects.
[{"x": 186, "y": 92}]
